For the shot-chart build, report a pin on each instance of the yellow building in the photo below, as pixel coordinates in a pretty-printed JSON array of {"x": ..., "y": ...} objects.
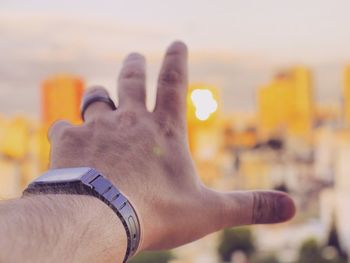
[
  {"x": 239, "y": 130},
  {"x": 24, "y": 148},
  {"x": 346, "y": 94},
  {"x": 202, "y": 119},
  {"x": 17, "y": 153},
  {"x": 10, "y": 179},
  {"x": 303, "y": 107},
  {"x": 286, "y": 104},
  {"x": 274, "y": 104},
  {"x": 15, "y": 138},
  {"x": 3, "y": 124},
  {"x": 203, "y": 128},
  {"x": 202, "y": 104}
]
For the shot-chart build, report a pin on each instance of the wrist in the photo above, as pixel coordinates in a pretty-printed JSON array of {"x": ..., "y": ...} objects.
[
  {"x": 66, "y": 228},
  {"x": 99, "y": 233}
]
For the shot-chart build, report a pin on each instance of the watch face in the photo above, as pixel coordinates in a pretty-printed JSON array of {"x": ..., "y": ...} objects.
[{"x": 66, "y": 174}]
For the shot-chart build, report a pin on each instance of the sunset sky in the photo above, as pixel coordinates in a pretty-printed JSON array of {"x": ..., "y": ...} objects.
[{"x": 236, "y": 45}]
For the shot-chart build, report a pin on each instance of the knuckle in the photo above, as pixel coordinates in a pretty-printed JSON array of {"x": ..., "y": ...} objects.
[
  {"x": 171, "y": 100},
  {"x": 167, "y": 128},
  {"x": 128, "y": 118},
  {"x": 100, "y": 122},
  {"x": 172, "y": 97},
  {"x": 168, "y": 132},
  {"x": 132, "y": 73},
  {"x": 265, "y": 208},
  {"x": 136, "y": 92},
  {"x": 67, "y": 133},
  {"x": 171, "y": 76},
  {"x": 56, "y": 128}
]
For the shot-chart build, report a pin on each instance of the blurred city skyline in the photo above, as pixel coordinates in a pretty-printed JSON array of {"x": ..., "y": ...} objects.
[
  {"x": 259, "y": 71},
  {"x": 234, "y": 45}
]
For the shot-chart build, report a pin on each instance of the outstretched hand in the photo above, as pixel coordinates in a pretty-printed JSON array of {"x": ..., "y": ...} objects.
[{"x": 146, "y": 155}]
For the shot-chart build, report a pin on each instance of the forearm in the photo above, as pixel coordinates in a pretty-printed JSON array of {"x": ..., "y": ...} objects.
[{"x": 60, "y": 228}]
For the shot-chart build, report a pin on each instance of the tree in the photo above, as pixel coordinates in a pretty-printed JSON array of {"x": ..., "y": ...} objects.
[
  {"x": 235, "y": 239},
  {"x": 310, "y": 252},
  {"x": 334, "y": 241},
  {"x": 153, "y": 257},
  {"x": 265, "y": 259},
  {"x": 281, "y": 187}
]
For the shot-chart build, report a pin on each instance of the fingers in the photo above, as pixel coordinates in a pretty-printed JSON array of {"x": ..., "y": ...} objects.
[
  {"x": 57, "y": 128},
  {"x": 131, "y": 83},
  {"x": 172, "y": 84},
  {"x": 256, "y": 207},
  {"x": 96, "y": 107}
]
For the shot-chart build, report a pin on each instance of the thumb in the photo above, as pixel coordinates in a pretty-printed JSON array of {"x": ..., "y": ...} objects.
[{"x": 256, "y": 207}]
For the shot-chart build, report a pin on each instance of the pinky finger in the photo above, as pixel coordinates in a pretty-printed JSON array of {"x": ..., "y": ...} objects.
[{"x": 57, "y": 128}]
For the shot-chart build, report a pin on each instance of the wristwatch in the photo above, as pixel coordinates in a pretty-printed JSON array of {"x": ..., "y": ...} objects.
[{"x": 88, "y": 181}]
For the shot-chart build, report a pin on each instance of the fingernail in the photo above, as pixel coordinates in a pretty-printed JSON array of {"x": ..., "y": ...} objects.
[
  {"x": 285, "y": 208},
  {"x": 134, "y": 55},
  {"x": 178, "y": 47}
]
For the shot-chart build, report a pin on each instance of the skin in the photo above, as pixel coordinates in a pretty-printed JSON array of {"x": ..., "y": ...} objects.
[{"x": 145, "y": 155}]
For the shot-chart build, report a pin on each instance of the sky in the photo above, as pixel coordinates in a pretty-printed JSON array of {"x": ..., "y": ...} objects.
[{"x": 236, "y": 45}]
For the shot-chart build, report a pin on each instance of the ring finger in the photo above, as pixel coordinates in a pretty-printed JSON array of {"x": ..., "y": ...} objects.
[{"x": 96, "y": 101}]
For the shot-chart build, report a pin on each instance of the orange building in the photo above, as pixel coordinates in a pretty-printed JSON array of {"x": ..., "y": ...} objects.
[{"x": 61, "y": 98}]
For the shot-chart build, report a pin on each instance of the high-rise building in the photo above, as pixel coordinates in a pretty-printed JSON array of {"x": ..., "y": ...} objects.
[
  {"x": 202, "y": 111},
  {"x": 346, "y": 95},
  {"x": 15, "y": 138},
  {"x": 286, "y": 104},
  {"x": 203, "y": 129},
  {"x": 10, "y": 180},
  {"x": 274, "y": 104},
  {"x": 61, "y": 98},
  {"x": 302, "y": 114}
]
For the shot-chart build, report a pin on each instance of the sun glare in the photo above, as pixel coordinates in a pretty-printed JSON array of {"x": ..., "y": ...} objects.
[{"x": 204, "y": 103}]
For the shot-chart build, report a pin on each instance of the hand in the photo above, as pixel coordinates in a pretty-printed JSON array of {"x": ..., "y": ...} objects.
[{"x": 146, "y": 155}]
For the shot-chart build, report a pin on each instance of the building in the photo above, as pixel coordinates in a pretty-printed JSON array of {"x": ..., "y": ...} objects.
[
  {"x": 203, "y": 121},
  {"x": 18, "y": 155},
  {"x": 61, "y": 99},
  {"x": 286, "y": 103},
  {"x": 204, "y": 132},
  {"x": 302, "y": 108},
  {"x": 15, "y": 137},
  {"x": 346, "y": 95}
]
